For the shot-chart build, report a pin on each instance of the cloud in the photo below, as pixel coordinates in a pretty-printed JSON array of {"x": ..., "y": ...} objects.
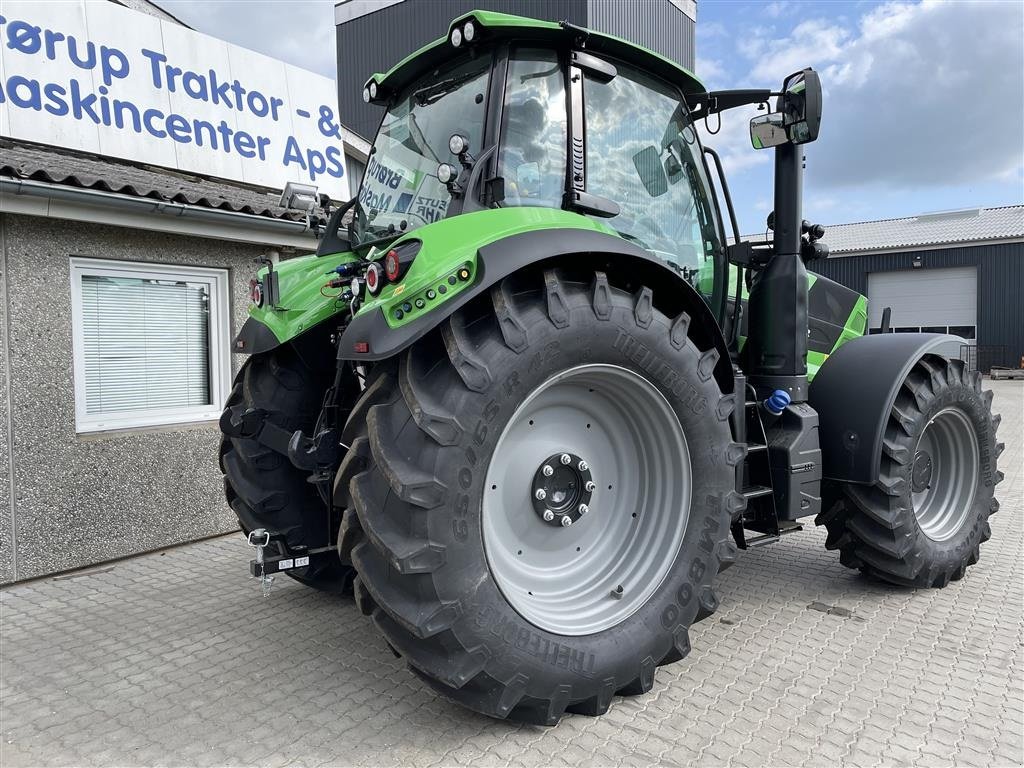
[
  {"x": 929, "y": 94},
  {"x": 811, "y": 43},
  {"x": 711, "y": 29},
  {"x": 300, "y": 32},
  {"x": 916, "y": 95},
  {"x": 710, "y": 71}
]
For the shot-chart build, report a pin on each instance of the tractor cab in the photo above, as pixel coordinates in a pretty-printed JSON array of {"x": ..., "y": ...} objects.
[{"x": 543, "y": 116}]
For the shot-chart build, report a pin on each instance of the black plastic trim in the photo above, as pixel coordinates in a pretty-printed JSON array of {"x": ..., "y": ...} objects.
[
  {"x": 254, "y": 338},
  {"x": 854, "y": 391},
  {"x": 599, "y": 69}
]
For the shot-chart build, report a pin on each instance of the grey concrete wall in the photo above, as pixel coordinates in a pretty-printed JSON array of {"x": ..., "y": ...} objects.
[
  {"x": 82, "y": 499},
  {"x": 6, "y": 521}
]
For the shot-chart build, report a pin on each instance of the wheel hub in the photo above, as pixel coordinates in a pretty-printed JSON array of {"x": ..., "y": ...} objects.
[
  {"x": 561, "y": 489},
  {"x": 944, "y": 477},
  {"x": 605, "y": 568},
  {"x": 921, "y": 478}
]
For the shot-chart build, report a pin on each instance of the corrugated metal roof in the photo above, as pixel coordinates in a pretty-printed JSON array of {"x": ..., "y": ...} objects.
[
  {"x": 926, "y": 229},
  {"x": 57, "y": 166},
  {"x": 971, "y": 225}
]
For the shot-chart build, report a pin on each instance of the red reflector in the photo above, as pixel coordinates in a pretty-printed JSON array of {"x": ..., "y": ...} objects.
[
  {"x": 361, "y": 347},
  {"x": 392, "y": 265},
  {"x": 373, "y": 278}
]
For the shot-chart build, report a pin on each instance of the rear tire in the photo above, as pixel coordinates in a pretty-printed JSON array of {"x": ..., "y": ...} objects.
[
  {"x": 923, "y": 522},
  {"x": 263, "y": 487},
  {"x": 418, "y": 524}
]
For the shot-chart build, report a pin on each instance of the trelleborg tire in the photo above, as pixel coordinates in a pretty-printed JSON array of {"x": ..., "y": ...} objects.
[
  {"x": 923, "y": 522},
  {"x": 263, "y": 487},
  {"x": 493, "y": 605}
]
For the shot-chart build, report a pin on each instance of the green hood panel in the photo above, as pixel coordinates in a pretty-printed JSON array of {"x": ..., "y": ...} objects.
[{"x": 300, "y": 305}]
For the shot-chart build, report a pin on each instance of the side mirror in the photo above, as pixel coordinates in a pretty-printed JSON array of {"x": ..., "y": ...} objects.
[
  {"x": 767, "y": 131},
  {"x": 798, "y": 117},
  {"x": 648, "y": 165},
  {"x": 800, "y": 105}
]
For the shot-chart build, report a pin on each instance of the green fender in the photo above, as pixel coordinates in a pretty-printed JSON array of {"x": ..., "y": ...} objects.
[{"x": 303, "y": 302}]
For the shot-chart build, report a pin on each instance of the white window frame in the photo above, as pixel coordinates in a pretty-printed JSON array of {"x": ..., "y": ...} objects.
[{"x": 220, "y": 344}]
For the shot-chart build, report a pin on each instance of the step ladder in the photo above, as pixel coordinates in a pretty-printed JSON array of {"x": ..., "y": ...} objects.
[{"x": 754, "y": 479}]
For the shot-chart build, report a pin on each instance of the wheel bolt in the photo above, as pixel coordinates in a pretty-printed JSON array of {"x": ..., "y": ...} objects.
[
  {"x": 548, "y": 470},
  {"x": 566, "y": 458},
  {"x": 566, "y": 521},
  {"x": 583, "y": 466},
  {"x": 541, "y": 494},
  {"x": 548, "y": 515},
  {"x": 590, "y": 486},
  {"x": 583, "y": 509}
]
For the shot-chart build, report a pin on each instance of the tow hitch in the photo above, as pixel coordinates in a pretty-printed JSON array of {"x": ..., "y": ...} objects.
[{"x": 263, "y": 567}]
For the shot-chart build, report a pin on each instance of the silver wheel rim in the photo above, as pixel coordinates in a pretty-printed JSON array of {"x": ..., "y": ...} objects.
[
  {"x": 590, "y": 574},
  {"x": 944, "y": 477}
]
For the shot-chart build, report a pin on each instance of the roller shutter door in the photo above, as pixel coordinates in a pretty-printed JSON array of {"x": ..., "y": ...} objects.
[{"x": 929, "y": 300}]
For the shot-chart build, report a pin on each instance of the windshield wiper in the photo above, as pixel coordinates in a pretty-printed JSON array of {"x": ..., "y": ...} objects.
[
  {"x": 420, "y": 138},
  {"x": 434, "y": 92}
]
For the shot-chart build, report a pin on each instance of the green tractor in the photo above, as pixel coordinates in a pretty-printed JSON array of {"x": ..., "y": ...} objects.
[{"x": 526, "y": 403}]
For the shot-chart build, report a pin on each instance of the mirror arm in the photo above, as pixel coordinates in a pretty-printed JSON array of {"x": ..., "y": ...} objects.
[{"x": 704, "y": 104}]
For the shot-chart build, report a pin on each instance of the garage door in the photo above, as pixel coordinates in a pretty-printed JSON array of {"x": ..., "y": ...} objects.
[{"x": 928, "y": 300}]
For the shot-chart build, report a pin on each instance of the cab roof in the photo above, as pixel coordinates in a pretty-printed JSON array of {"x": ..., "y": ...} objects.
[{"x": 494, "y": 27}]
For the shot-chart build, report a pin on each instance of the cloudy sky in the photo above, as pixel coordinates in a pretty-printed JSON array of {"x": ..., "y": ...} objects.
[{"x": 924, "y": 102}]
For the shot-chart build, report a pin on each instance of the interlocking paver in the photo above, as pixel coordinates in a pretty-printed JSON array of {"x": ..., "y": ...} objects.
[{"x": 175, "y": 659}]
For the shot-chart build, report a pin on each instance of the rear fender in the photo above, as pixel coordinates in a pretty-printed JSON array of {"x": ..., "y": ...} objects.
[
  {"x": 626, "y": 264},
  {"x": 854, "y": 391}
]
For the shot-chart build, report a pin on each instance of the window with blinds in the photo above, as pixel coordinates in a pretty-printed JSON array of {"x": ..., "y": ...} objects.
[{"x": 150, "y": 343}]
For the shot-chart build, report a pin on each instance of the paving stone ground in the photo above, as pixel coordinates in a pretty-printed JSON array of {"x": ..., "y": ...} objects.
[{"x": 174, "y": 658}]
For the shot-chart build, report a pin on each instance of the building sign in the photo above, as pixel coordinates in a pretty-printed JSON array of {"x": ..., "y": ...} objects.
[{"x": 100, "y": 78}]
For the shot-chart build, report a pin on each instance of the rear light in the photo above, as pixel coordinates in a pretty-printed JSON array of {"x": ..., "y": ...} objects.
[
  {"x": 392, "y": 265},
  {"x": 373, "y": 278},
  {"x": 256, "y": 292}
]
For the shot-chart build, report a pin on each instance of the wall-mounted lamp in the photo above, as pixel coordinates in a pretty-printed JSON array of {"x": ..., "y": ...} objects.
[{"x": 917, "y": 262}]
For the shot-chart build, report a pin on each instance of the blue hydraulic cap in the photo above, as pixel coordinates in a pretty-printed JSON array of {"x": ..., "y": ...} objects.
[{"x": 778, "y": 401}]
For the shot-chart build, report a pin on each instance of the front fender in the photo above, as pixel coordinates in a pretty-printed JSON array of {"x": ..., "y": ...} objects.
[{"x": 854, "y": 391}]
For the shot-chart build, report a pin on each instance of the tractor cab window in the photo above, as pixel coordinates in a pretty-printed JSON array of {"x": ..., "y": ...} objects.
[
  {"x": 533, "y": 129},
  {"x": 400, "y": 190},
  {"x": 643, "y": 153}
]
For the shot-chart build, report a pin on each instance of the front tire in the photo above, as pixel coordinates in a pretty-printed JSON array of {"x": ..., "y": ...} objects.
[
  {"x": 431, "y": 522},
  {"x": 923, "y": 522}
]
